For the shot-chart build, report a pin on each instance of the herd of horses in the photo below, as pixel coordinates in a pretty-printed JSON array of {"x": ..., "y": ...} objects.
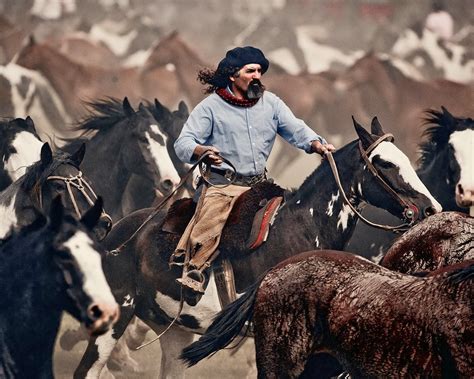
[
  {"x": 302, "y": 305},
  {"x": 81, "y": 232}
]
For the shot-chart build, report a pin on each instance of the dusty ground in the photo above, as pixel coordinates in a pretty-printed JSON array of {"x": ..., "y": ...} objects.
[{"x": 221, "y": 365}]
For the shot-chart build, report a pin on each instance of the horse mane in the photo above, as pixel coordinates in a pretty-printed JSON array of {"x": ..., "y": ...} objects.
[
  {"x": 37, "y": 174},
  {"x": 104, "y": 114},
  {"x": 393, "y": 72},
  {"x": 4, "y": 142},
  {"x": 437, "y": 134},
  {"x": 310, "y": 183}
]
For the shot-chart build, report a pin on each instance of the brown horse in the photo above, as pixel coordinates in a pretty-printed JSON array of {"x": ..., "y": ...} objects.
[
  {"x": 80, "y": 48},
  {"x": 175, "y": 51},
  {"x": 378, "y": 323},
  {"x": 75, "y": 82},
  {"x": 399, "y": 100},
  {"x": 444, "y": 239}
]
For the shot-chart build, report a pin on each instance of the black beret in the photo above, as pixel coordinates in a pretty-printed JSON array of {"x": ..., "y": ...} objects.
[{"x": 238, "y": 57}]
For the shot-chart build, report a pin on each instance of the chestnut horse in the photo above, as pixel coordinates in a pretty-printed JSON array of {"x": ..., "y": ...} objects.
[{"x": 376, "y": 322}]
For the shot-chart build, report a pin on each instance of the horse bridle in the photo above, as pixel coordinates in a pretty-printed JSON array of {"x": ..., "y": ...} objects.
[
  {"x": 410, "y": 212},
  {"x": 81, "y": 185}
]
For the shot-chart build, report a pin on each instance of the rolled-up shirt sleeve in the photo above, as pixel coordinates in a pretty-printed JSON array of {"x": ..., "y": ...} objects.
[
  {"x": 196, "y": 130},
  {"x": 294, "y": 130}
]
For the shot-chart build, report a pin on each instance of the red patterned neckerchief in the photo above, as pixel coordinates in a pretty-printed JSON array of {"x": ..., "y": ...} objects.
[{"x": 231, "y": 99}]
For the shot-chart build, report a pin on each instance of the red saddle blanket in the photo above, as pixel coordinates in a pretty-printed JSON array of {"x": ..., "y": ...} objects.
[{"x": 249, "y": 221}]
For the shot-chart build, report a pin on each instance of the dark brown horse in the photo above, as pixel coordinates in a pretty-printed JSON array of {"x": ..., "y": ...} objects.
[
  {"x": 376, "y": 322},
  {"x": 314, "y": 216},
  {"x": 446, "y": 238}
]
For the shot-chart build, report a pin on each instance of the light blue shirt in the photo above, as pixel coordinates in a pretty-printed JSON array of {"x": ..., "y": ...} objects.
[{"x": 244, "y": 136}]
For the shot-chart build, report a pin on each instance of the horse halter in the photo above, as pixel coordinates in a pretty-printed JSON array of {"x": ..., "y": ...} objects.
[
  {"x": 81, "y": 185},
  {"x": 410, "y": 212}
]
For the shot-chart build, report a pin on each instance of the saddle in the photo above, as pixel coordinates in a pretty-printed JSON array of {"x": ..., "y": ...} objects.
[{"x": 248, "y": 224}]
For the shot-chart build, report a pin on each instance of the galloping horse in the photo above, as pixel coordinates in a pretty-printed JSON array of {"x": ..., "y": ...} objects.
[
  {"x": 22, "y": 201},
  {"x": 20, "y": 147},
  {"x": 127, "y": 142},
  {"x": 399, "y": 100},
  {"x": 376, "y": 322},
  {"x": 47, "y": 267},
  {"x": 446, "y": 165},
  {"x": 314, "y": 216}
]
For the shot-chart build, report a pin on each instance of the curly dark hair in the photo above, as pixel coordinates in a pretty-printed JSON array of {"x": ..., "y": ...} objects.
[{"x": 216, "y": 79}]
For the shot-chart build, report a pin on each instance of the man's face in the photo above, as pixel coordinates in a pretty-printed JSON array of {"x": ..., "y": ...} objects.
[{"x": 246, "y": 82}]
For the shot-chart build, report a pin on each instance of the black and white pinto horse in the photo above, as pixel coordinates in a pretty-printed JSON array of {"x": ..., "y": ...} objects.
[
  {"x": 20, "y": 147},
  {"x": 314, "y": 216},
  {"x": 49, "y": 266},
  {"x": 446, "y": 167},
  {"x": 126, "y": 142},
  {"x": 435, "y": 57},
  {"x": 52, "y": 175}
]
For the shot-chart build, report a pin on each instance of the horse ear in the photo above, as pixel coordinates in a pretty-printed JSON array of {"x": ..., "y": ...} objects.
[
  {"x": 450, "y": 119},
  {"x": 92, "y": 216},
  {"x": 363, "y": 134},
  {"x": 78, "y": 156},
  {"x": 376, "y": 128},
  {"x": 56, "y": 213},
  {"x": 46, "y": 154},
  {"x": 30, "y": 125},
  {"x": 183, "y": 108},
  {"x": 127, "y": 108},
  {"x": 160, "y": 110}
]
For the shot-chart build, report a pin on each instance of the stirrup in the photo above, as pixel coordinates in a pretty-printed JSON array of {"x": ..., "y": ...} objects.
[
  {"x": 194, "y": 280},
  {"x": 178, "y": 258}
]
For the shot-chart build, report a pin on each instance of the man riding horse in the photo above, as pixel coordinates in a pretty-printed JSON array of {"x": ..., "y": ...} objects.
[{"x": 237, "y": 123}]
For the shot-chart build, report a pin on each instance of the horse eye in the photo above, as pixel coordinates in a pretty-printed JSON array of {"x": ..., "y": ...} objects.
[{"x": 383, "y": 163}]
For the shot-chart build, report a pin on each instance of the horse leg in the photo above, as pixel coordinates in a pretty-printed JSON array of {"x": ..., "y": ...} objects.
[
  {"x": 172, "y": 343},
  {"x": 100, "y": 348},
  {"x": 277, "y": 354}
]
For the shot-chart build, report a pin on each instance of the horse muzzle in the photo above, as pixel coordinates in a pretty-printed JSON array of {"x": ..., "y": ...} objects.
[
  {"x": 464, "y": 197},
  {"x": 101, "y": 317}
]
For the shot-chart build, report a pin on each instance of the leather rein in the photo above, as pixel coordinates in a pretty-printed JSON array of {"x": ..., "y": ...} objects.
[{"x": 410, "y": 212}]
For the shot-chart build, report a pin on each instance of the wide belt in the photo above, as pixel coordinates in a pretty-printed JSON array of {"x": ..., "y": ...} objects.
[{"x": 240, "y": 180}]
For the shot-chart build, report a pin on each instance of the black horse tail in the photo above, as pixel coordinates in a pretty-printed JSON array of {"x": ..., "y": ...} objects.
[{"x": 224, "y": 329}]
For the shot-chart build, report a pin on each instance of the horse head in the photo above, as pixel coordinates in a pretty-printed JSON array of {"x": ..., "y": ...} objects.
[
  {"x": 447, "y": 156},
  {"x": 389, "y": 181},
  {"x": 20, "y": 147},
  {"x": 54, "y": 175},
  {"x": 79, "y": 258},
  {"x": 150, "y": 141}
]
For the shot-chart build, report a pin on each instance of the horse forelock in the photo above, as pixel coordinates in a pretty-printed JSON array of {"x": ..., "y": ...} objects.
[{"x": 437, "y": 133}]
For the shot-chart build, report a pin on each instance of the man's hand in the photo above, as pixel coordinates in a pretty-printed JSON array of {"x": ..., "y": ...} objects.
[
  {"x": 212, "y": 159},
  {"x": 318, "y": 147}
]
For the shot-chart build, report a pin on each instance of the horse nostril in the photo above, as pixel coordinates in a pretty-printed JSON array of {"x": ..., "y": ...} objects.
[
  {"x": 460, "y": 189},
  {"x": 94, "y": 312},
  {"x": 167, "y": 185},
  {"x": 429, "y": 211}
]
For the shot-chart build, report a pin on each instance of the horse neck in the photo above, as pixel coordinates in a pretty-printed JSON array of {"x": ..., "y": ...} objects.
[
  {"x": 384, "y": 84},
  {"x": 32, "y": 296},
  {"x": 55, "y": 67},
  {"x": 186, "y": 64},
  {"x": 104, "y": 150},
  {"x": 315, "y": 217}
]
